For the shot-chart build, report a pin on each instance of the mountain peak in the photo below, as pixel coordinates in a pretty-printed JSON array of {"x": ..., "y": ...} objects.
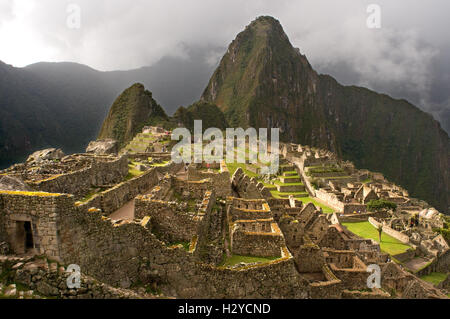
[
  {"x": 259, "y": 56},
  {"x": 263, "y": 81},
  {"x": 130, "y": 112}
]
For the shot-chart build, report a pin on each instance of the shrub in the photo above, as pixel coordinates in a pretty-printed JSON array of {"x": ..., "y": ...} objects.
[{"x": 379, "y": 204}]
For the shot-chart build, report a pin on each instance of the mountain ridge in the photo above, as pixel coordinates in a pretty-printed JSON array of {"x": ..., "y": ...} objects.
[{"x": 263, "y": 81}]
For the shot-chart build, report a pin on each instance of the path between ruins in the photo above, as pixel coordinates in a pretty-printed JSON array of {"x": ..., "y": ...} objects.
[{"x": 126, "y": 212}]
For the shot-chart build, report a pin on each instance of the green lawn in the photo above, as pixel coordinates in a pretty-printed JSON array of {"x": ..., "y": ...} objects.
[
  {"x": 236, "y": 259},
  {"x": 325, "y": 208},
  {"x": 388, "y": 244},
  {"x": 132, "y": 172},
  {"x": 277, "y": 182},
  {"x": 298, "y": 195},
  {"x": 269, "y": 186},
  {"x": 164, "y": 163},
  {"x": 434, "y": 278},
  {"x": 232, "y": 167}
]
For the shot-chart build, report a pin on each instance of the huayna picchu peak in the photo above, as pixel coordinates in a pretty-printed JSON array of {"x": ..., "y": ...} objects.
[{"x": 263, "y": 81}]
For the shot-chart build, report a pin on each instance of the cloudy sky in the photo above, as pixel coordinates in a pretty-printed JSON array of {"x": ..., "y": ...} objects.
[{"x": 408, "y": 57}]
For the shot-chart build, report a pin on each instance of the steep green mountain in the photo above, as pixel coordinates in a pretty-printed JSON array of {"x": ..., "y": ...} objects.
[
  {"x": 210, "y": 115},
  {"x": 262, "y": 81},
  {"x": 130, "y": 112},
  {"x": 63, "y": 104}
]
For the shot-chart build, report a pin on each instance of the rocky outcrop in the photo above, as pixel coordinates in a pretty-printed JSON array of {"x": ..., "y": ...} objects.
[
  {"x": 103, "y": 147},
  {"x": 48, "y": 279},
  {"x": 10, "y": 183},
  {"x": 47, "y": 154}
]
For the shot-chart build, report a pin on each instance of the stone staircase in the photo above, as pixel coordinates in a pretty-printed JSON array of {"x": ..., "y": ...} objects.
[{"x": 290, "y": 183}]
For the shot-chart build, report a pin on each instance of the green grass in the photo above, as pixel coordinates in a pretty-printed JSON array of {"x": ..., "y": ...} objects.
[
  {"x": 435, "y": 278},
  {"x": 89, "y": 195},
  {"x": 325, "y": 208},
  {"x": 288, "y": 184},
  {"x": 160, "y": 164},
  {"x": 185, "y": 244},
  {"x": 232, "y": 167},
  {"x": 298, "y": 195},
  {"x": 269, "y": 186},
  {"x": 291, "y": 176},
  {"x": 132, "y": 172},
  {"x": 236, "y": 259},
  {"x": 388, "y": 244}
]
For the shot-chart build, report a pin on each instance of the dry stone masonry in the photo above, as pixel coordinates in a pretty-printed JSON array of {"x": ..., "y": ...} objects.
[{"x": 141, "y": 226}]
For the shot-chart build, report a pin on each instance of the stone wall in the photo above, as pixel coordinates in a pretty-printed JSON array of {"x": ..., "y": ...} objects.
[
  {"x": 330, "y": 199},
  {"x": 247, "y": 187},
  {"x": 309, "y": 258},
  {"x": 249, "y": 214},
  {"x": 220, "y": 181},
  {"x": 39, "y": 209},
  {"x": 299, "y": 163},
  {"x": 191, "y": 189},
  {"x": 362, "y": 217},
  {"x": 211, "y": 231},
  {"x": 389, "y": 231},
  {"x": 145, "y": 156},
  {"x": 439, "y": 264},
  {"x": 168, "y": 222},
  {"x": 352, "y": 278},
  {"x": 259, "y": 244},
  {"x": 50, "y": 280},
  {"x": 126, "y": 254},
  {"x": 102, "y": 171},
  {"x": 349, "y": 208},
  {"x": 114, "y": 198},
  {"x": 331, "y": 288}
]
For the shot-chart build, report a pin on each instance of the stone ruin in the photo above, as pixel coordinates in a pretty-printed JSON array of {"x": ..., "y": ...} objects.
[
  {"x": 184, "y": 226},
  {"x": 103, "y": 147}
]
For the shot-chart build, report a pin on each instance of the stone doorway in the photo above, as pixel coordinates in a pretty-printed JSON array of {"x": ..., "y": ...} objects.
[
  {"x": 29, "y": 242},
  {"x": 24, "y": 240}
]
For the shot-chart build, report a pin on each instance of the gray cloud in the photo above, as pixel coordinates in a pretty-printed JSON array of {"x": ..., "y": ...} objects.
[{"x": 407, "y": 58}]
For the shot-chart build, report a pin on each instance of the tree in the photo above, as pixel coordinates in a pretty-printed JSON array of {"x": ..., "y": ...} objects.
[
  {"x": 380, "y": 230},
  {"x": 380, "y": 204}
]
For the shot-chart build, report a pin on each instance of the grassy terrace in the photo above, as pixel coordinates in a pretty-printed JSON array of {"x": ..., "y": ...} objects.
[
  {"x": 236, "y": 259},
  {"x": 388, "y": 244},
  {"x": 133, "y": 172},
  {"x": 435, "y": 278},
  {"x": 297, "y": 195},
  {"x": 302, "y": 196},
  {"x": 164, "y": 163},
  {"x": 232, "y": 167},
  {"x": 325, "y": 208},
  {"x": 278, "y": 182}
]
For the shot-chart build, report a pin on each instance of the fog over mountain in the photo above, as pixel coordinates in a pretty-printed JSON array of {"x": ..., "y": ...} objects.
[{"x": 406, "y": 58}]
